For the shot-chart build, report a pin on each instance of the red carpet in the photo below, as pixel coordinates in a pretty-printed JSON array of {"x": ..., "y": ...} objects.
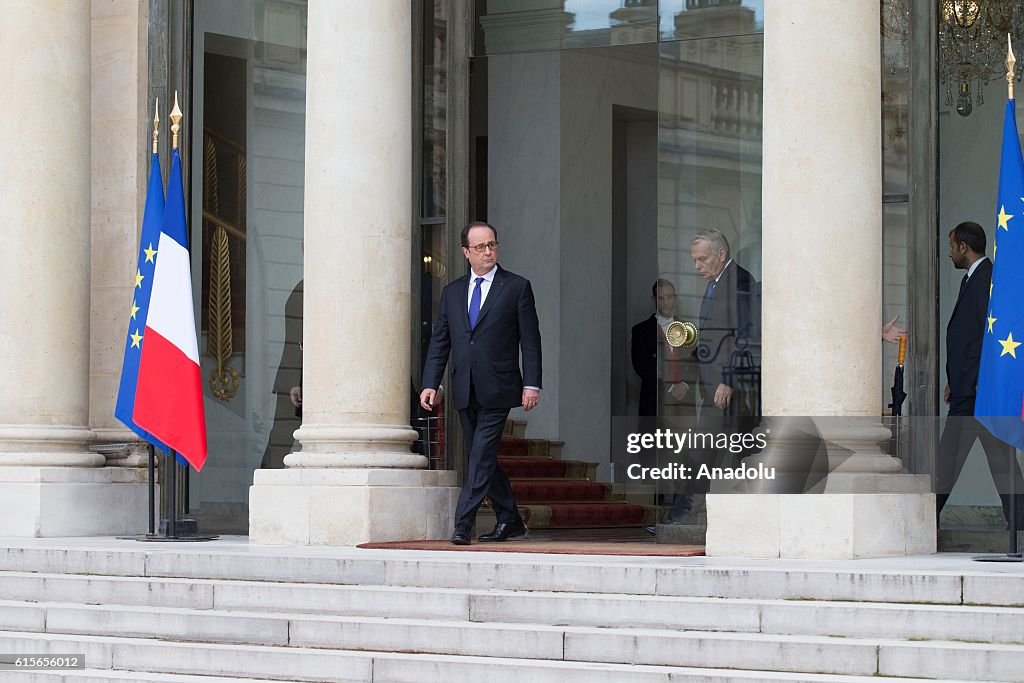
[{"x": 562, "y": 494}]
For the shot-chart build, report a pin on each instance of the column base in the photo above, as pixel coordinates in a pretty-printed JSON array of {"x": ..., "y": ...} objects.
[
  {"x": 822, "y": 527},
  {"x": 73, "y": 501},
  {"x": 311, "y": 506}
]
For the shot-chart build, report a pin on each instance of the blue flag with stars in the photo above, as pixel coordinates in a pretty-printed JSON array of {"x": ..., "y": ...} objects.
[
  {"x": 151, "y": 220},
  {"x": 1000, "y": 402}
]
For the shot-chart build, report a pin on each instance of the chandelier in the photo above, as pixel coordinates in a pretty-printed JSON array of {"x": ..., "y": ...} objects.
[{"x": 972, "y": 46}]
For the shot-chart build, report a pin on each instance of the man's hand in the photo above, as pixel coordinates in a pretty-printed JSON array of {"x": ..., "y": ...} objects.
[
  {"x": 891, "y": 333},
  {"x": 723, "y": 394},
  {"x": 295, "y": 394},
  {"x": 679, "y": 391},
  {"x": 947, "y": 395},
  {"x": 531, "y": 397},
  {"x": 428, "y": 399}
]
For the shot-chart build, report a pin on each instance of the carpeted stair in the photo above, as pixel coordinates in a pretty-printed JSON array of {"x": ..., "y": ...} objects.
[{"x": 561, "y": 494}]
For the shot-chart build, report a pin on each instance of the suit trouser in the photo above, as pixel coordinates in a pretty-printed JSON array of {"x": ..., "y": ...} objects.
[
  {"x": 482, "y": 428},
  {"x": 962, "y": 429}
]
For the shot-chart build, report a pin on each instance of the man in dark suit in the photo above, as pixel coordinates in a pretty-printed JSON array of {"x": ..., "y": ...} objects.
[
  {"x": 485, "y": 318},
  {"x": 728, "y": 321},
  {"x": 964, "y": 333},
  {"x": 665, "y": 387}
]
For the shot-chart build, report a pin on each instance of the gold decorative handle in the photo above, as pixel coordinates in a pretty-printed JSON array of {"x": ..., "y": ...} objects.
[{"x": 681, "y": 334}]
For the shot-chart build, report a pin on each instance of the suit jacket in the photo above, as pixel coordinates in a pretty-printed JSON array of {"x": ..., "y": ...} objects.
[
  {"x": 732, "y": 313},
  {"x": 487, "y": 357},
  {"x": 965, "y": 331}
]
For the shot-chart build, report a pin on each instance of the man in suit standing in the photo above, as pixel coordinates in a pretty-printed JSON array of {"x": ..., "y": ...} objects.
[
  {"x": 662, "y": 368},
  {"x": 485, "y": 318},
  {"x": 964, "y": 333},
  {"x": 728, "y": 319}
]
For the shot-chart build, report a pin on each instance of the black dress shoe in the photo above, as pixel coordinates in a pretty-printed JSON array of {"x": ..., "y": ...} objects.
[
  {"x": 461, "y": 537},
  {"x": 503, "y": 532}
]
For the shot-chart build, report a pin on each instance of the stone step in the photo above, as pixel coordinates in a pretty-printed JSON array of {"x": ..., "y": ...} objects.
[
  {"x": 117, "y": 659},
  {"x": 764, "y": 651},
  {"x": 693, "y": 577},
  {"x": 792, "y": 617},
  {"x": 114, "y": 676}
]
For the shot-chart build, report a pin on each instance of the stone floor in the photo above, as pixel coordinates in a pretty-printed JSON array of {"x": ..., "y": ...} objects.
[{"x": 941, "y": 562}]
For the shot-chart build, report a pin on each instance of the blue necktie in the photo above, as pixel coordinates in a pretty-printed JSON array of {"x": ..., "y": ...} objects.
[
  {"x": 705, "y": 304},
  {"x": 474, "y": 304}
]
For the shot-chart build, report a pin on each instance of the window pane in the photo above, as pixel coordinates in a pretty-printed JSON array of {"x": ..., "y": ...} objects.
[{"x": 249, "y": 95}]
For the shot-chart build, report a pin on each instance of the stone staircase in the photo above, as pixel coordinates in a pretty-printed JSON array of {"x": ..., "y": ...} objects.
[
  {"x": 230, "y": 612},
  {"x": 553, "y": 493}
]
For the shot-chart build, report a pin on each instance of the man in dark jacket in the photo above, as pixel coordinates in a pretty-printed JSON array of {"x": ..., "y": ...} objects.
[
  {"x": 486, "y": 317},
  {"x": 963, "y": 357}
]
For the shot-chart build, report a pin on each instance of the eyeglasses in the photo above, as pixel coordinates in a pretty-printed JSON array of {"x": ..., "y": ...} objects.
[{"x": 481, "y": 248}]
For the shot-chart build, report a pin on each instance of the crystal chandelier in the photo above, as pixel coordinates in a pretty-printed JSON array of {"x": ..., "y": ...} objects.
[{"x": 972, "y": 45}]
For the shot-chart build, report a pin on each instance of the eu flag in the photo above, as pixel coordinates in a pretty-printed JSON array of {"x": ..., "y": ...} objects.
[
  {"x": 151, "y": 219},
  {"x": 1000, "y": 402}
]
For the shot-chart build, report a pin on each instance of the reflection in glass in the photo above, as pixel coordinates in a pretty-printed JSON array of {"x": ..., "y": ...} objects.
[
  {"x": 553, "y": 24},
  {"x": 709, "y": 218},
  {"x": 895, "y": 96},
  {"x": 685, "y": 19},
  {"x": 247, "y": 170},
  {"x": 505, "y": 26},
  {"x": 435, "y": 104}
]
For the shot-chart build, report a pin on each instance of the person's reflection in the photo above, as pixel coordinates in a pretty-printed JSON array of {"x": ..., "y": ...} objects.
[
  {"x": 729, "y": 376},
  {"x": 667, "y": 377},
  {"x": 287, "y": 385},
  {"x": 662, "y": 368}
]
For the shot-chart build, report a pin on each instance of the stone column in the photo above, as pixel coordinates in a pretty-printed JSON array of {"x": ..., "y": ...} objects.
[
  {"x": 822, "y": 294},
  {"x": 50, "y": 484},
  {"x": 355, "y": 479},
  {"x": 119, "y": 172}
]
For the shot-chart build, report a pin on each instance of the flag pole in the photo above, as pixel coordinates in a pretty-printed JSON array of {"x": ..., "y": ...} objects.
[
  {"x": 150, "y": 449},
  {"x": 1014, "y": 555},
  {"x": 1011, "y": 62}
]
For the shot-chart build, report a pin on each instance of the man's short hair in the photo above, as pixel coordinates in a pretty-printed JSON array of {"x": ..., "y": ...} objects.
[
  {"x": 661, "y": 282},
  {"x": 971, "y": 234},
  {"x": 716, "y": 238},
  {"x": 476, "y": 224}
]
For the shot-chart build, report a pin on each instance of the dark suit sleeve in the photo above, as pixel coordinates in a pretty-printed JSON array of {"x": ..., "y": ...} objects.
[
  {"x": 529, "y": 338},
  {"x": 637, "y": 351},
  {"x": 440, "y": 345}
]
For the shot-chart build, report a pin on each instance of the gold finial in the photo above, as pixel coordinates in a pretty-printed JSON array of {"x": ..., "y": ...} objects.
[
  {"x": 1011, "y": 62},
  {"x": 175, "y": 122},
  {"x": 156, "y": 124}
]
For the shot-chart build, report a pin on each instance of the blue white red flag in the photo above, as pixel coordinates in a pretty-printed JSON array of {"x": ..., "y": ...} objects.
[{"x": 169, "y": 395}]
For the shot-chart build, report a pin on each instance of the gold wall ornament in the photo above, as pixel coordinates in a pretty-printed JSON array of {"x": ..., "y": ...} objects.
[
  {"x": 219, "y": 337},
  {"x": 681, "y": 334},
  {"x": 219, "y": 334}
]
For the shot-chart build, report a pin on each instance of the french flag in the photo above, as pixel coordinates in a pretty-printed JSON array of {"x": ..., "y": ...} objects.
[{"x": 169, "y": 395}]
